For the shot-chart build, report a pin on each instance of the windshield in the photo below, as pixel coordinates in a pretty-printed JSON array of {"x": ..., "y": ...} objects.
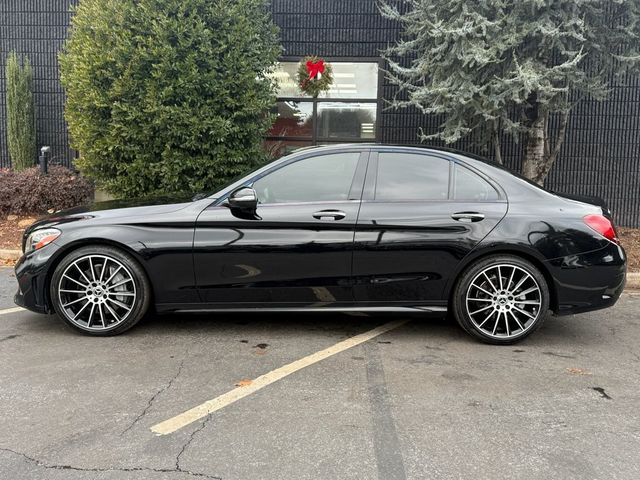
[{"x": 222, "y": 184}]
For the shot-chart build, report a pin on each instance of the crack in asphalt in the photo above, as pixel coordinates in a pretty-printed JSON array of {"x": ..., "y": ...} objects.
[
  {"x": 188, "y": 442},
  {"x": 178, "y": 469},
  {"x": 153, "y": 397},
  {"x": 9, "y": 337},
  {"x": 41, "y": 464},
  {"x": 561, "y": 355},
  {"x": 633, "y": 353}
]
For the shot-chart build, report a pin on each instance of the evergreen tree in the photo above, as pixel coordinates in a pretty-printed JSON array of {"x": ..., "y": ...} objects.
[
  {"x": 168, "y": 95},
  {"x": 494, "y": 66},
  {"x": 21, "y": 119}
]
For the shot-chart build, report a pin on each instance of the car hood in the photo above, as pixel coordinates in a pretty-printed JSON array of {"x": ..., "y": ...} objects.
[
  {"x": 128, "y": 203},
  {"x": 114, "y": 209}
]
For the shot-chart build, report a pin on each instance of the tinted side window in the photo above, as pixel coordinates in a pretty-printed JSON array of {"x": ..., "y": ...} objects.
[
  {"x": 469, "y": 186},
  {"x": 315, "y": 179},
  {"x": 410, "y": 176}
]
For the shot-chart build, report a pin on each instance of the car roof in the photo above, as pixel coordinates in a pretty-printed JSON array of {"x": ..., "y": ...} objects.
[
  {"x": 452, "y": 152},
  {"x": 386, "y": 146}
]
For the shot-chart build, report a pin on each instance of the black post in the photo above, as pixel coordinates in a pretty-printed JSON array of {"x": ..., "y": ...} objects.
[{"x": 43, "y": 160}]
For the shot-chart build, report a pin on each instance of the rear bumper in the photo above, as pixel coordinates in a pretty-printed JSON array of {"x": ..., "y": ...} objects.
[{"x": 589, "y": 281}]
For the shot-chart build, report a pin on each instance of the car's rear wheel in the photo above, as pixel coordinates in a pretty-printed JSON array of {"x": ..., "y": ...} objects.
[
  {"x": 501, "y": 299},
  {"x": 99, "y": 290}
]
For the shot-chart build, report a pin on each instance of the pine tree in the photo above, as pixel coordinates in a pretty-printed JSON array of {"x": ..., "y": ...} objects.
[
  {"x": 21, "y": 120},
  {"x": 168, "y": 95},
  {"x": 515, "y": 66}
]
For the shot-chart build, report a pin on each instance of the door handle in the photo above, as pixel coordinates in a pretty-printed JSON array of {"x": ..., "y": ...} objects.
[
  {"x": 326, "y": 214},
  {"x": 468, "y": 216}
]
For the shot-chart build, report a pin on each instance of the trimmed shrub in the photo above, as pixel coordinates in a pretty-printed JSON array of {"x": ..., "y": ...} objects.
[
  {"x": 169, "y": 95},
  {"x": 28, "y": 192},
  {"x": 21, "y": 117}
]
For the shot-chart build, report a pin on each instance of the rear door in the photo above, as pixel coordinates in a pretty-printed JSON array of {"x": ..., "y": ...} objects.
[{"x": 421, "y": 213}]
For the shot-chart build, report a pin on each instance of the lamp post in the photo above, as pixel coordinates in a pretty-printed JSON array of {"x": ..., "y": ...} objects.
[{"x": 43, "y": 159}]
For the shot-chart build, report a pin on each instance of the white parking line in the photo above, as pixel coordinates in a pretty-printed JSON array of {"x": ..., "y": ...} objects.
[
  {"x": 11, "y": 310},
  {"x": 215, "y": 404}
]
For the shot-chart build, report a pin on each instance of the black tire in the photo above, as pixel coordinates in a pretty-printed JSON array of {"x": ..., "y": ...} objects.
[
  {"x": 126, "y": 296},
  {"x": 508, "y": 311}
]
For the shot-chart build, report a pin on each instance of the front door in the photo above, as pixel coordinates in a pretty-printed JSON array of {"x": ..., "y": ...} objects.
[
  {"x": 297, "y": 249},
  {"x": 420, "y": 215}
]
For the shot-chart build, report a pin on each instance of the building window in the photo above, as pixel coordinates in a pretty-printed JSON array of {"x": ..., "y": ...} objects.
[{"x": 346, "y": 113}]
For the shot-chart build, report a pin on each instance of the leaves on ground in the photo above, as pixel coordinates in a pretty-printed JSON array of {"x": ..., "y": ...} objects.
[{"x": 578, "y": 371}]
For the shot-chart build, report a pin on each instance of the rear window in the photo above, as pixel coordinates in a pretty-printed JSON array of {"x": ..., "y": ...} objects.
[
  {"x": 411, "y": 177},
  {"x": 470, "y": 186}
]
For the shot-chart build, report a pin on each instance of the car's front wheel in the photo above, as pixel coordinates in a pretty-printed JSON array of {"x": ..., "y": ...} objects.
[
  {"x": 501, "y": 299},
  {"x": 99, "y": 290}
]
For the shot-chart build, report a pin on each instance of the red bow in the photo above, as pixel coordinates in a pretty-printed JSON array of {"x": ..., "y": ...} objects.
[{"x": 315, "y": 68}]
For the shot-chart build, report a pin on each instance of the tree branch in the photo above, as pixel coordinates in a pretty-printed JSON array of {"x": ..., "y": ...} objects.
[
  {"x": 496, "y": 145},
  {"x": 564, "y": 120},
  {"x": 547, "y": 146}
]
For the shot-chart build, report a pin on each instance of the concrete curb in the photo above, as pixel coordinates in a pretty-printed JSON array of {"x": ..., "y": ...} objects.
[{"x": 6, "y": 254}]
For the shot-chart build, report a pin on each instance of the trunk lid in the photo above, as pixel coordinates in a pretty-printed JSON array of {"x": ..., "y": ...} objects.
[{"x": 591, "y": 200}]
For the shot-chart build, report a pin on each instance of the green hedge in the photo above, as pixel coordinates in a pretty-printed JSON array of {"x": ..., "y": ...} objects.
[{"x": 169, "y": 95}]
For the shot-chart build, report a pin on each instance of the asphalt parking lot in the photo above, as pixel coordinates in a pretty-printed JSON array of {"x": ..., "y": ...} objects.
[{"x": 422, "y": 400}]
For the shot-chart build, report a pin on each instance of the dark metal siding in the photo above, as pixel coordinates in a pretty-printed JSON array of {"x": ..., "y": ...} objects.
[
  {"x": 37, "y": 28},
  {"x": 601, "y": 154}
]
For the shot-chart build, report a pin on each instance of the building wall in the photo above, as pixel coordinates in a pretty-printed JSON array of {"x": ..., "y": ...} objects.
[
  {"x": 37, "y": 28},
  {"x": 600, "y": 156}
]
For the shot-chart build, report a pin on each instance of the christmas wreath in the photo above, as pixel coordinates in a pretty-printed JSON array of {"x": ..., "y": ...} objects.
[{"x": 314, "y": 75}]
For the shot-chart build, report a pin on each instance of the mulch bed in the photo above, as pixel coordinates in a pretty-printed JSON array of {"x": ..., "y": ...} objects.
[
  {"x": 11, "y": 238},
  {"x": 11, "y": 231},
  {"x": 630, "y": 240}
]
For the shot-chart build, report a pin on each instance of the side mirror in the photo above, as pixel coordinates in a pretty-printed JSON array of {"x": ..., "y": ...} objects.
[{"x": 244, "y": 199}]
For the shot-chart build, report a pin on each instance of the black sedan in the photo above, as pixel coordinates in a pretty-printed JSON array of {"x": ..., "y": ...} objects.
[{"x": 342, "y": 228}]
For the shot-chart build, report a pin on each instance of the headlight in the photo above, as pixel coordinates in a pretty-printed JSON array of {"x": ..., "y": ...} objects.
[{"x": 41, "y": 238}]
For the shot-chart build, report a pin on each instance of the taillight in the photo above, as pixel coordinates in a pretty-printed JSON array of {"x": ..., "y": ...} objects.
[{"x": 602, "y": 225}]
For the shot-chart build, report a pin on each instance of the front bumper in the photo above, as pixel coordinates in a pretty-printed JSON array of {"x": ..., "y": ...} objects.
[
  {"x": 31, "y": 272},
  {"x": 588, "y": 281}
]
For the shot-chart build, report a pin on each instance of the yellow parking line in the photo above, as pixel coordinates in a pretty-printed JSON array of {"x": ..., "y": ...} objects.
[
  {"x": 11, "y": 310},
  {"x": 215, "y": 404}
]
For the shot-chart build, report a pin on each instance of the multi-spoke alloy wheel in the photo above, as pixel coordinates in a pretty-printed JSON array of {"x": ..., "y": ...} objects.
[
  {"x": 502, "y": 299},
  {"x": 99, "y": 290}
]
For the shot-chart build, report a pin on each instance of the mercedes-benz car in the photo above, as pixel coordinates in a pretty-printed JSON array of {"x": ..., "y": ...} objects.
[{"x": 341, "y": 228}]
